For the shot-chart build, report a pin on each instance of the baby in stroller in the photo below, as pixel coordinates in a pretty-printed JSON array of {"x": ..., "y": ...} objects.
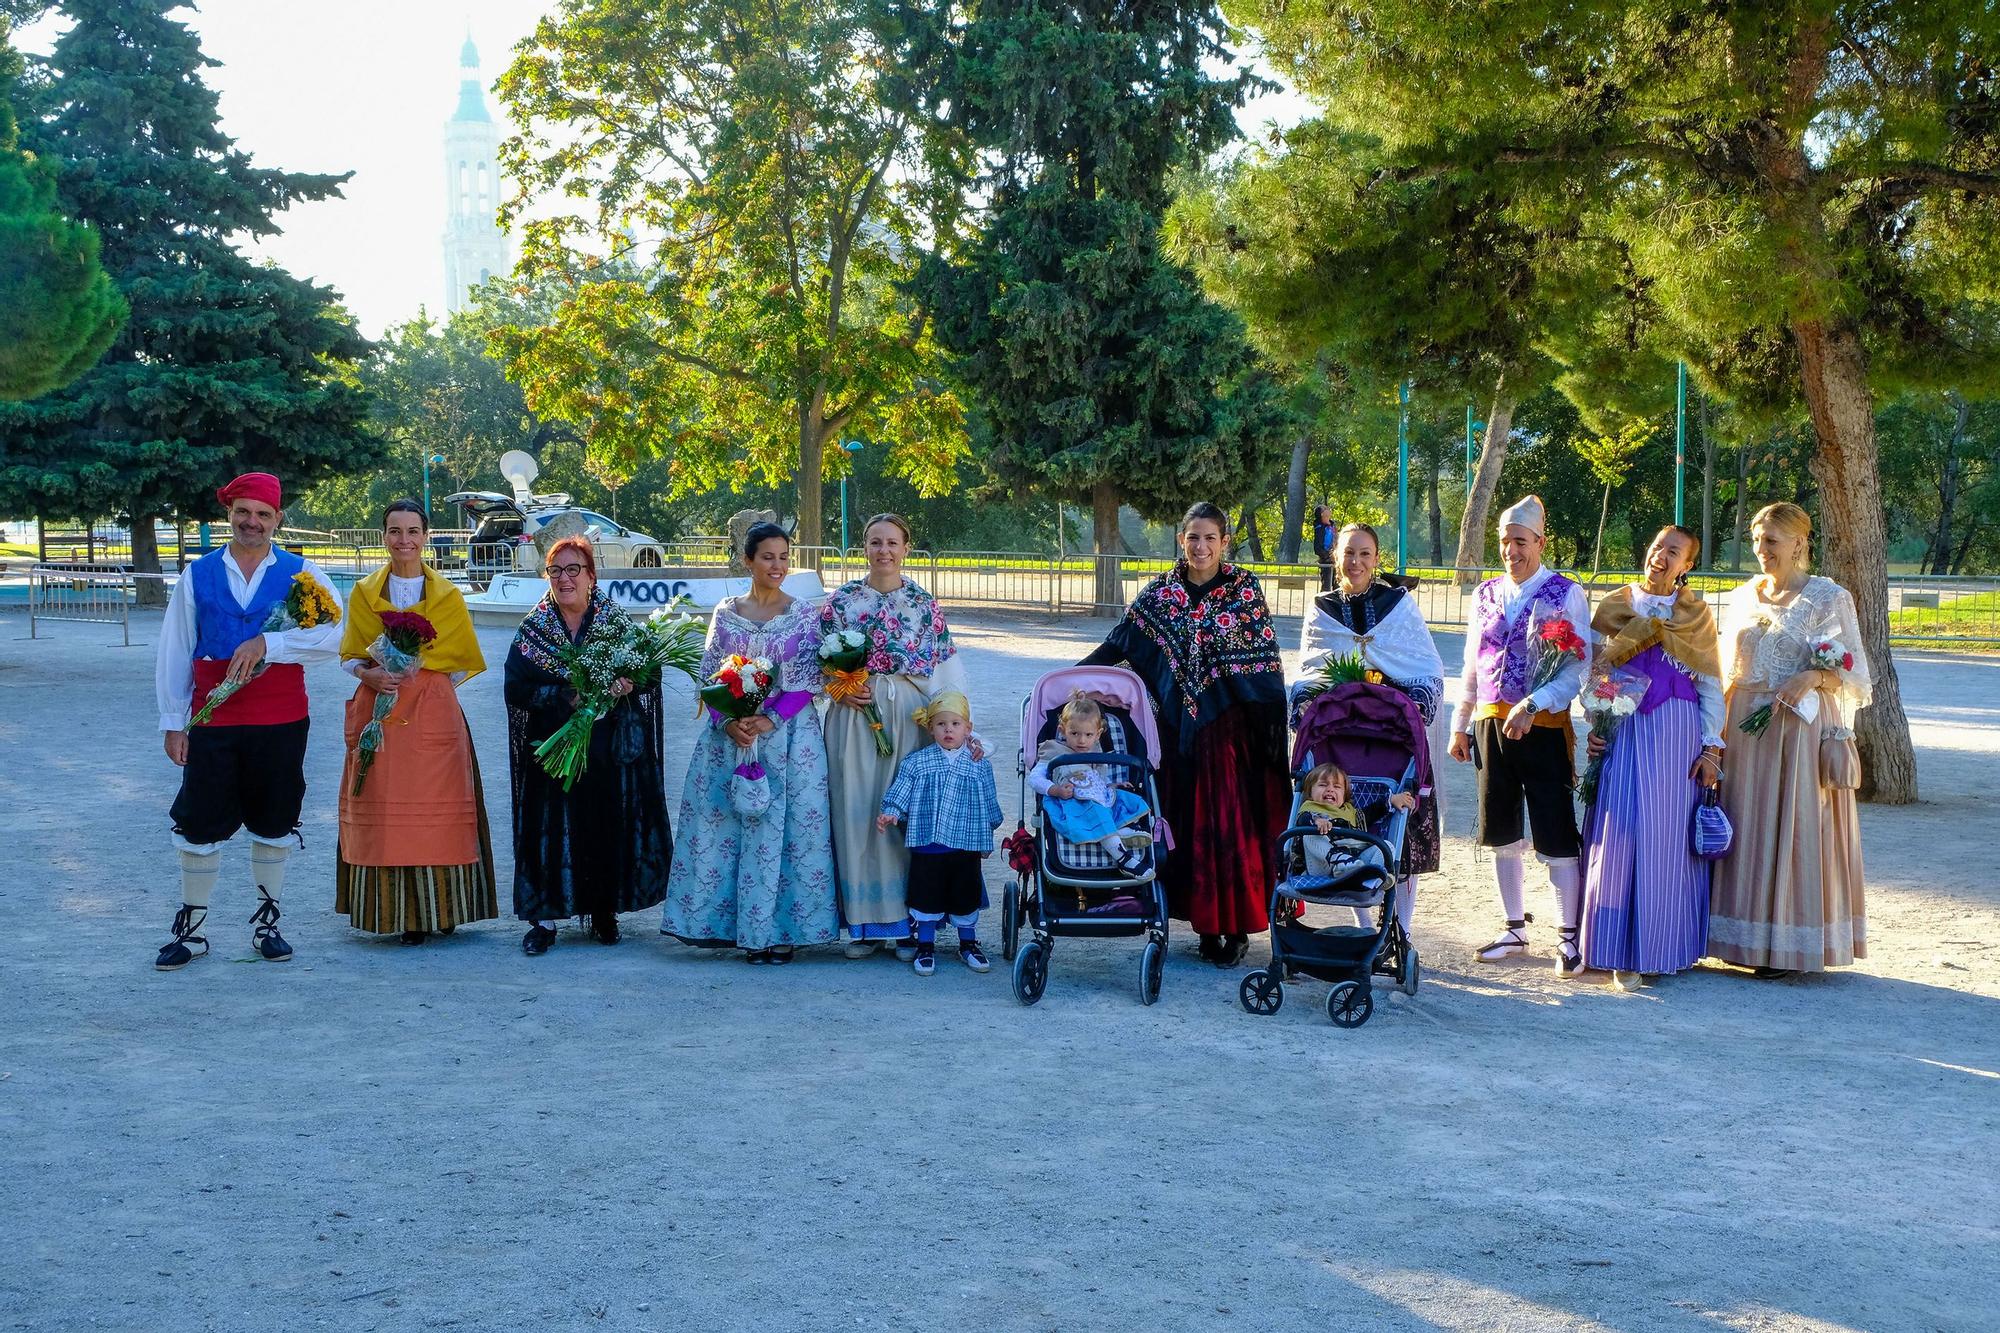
[
  {"x": 1086, "y": 802},
  {"x": 1328, "y": 802}
]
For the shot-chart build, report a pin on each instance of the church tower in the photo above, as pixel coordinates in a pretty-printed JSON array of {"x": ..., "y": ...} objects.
[{"x": 475, "y": 248}]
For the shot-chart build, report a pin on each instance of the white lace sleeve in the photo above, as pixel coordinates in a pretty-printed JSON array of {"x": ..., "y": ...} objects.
[{"x": 1857, "y": 683}]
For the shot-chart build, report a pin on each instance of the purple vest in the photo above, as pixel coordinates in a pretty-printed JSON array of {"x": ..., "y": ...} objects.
[{"x": 1506, "y": 659}]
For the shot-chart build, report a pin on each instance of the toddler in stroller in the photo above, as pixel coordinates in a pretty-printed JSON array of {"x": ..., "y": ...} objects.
[
  {"x": 1329, "y": 802},
  {"x": 1361, "y": 752},
  {"x": 1089, "y": 869},
  {"x": 1087, "y": 803}
]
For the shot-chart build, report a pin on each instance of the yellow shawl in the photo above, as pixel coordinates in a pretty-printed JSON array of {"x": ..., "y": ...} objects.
[
  {"x": 1688, "y": 638},
  {"x": 456, "y": 647}
]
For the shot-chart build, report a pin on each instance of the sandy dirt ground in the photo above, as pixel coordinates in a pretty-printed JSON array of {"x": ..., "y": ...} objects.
[{"x": 645, "y": 1137}]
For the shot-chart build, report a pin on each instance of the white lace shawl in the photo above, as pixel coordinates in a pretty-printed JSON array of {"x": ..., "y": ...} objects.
[{"x": 1401, "y": 648}]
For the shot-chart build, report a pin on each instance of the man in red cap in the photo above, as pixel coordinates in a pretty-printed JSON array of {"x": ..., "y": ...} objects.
[{"x": 244, "y": 768}]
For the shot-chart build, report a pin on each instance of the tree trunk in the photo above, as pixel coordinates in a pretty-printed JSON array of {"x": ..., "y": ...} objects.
[
  {"x": 810, "y": 479},
  {"x": 1938, "y": 558},
  {"x": 1437, "y": 520},
  {"x": 1972, "y": 530},
  {"x": 1597, "y": 547},
  {"x": 1110, "y": 594},
  {"x": 1295, "y": 501},
  {"x": 1707, "y": 487},
  {"x": 1856, "y": 541},
  {"x": 146, "y": 560},
  {"x": 1741, "y": 529},
  {"x": 1471, "y": 557},
  {"x": 1248, "y": 538}
]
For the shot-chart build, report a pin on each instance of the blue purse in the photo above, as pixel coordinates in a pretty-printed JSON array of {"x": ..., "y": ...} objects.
[{"x": 1710, "y": 834}]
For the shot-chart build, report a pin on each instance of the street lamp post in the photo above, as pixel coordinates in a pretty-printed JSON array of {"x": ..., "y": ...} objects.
[
  {"x": 1403, "y": 479},
  {"x": 1680, "y": 441},
  {"x": 1473, "y": 430},
  {"x": 852, "y": 447},
  {"x": 428, "y": 460}
]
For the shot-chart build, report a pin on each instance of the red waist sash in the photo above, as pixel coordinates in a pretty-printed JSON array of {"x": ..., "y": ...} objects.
[{"x": 274, "y": 695}]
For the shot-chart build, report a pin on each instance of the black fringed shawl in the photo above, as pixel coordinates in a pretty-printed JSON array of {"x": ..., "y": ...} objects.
[{"x": 1203, "y": 651}]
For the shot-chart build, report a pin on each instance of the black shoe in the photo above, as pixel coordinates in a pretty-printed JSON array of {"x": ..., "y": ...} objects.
[
  {"x": 176, "y": 953},
  {"x": 783, "y": 953},
  {"x": 1232, "y": 950},
  {"x": 604, "y": 928},
  {"x": 973, "y": 956},
  {"x": 1774, "y": 973},
  {"x": 415, "y": 936},
  {"x": 1210, "y": 948},
  {"x": 270, "y": 945},
  {"x": 537, "y": 941}
]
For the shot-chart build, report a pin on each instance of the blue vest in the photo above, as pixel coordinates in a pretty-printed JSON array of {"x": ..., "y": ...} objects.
[{"x": 220, "y": 625}]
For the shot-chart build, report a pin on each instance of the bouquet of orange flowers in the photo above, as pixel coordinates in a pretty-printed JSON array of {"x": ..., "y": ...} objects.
[{"x": 306, "y": 605}]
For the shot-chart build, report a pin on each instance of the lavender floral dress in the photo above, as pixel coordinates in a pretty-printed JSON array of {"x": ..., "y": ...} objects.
[{"x": 766, "y": 882}]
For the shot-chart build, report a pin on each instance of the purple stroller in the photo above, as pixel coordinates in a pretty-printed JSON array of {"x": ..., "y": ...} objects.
[{"x": 1377, "y": 736}]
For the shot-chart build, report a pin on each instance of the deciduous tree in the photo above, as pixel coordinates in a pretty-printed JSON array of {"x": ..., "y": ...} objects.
[{"x": 754, "y": 184}]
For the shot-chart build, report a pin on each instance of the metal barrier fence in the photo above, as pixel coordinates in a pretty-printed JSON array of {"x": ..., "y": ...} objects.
[
  {"x": 1923, "y": 610},
  {"x": 85, "y": 595}
]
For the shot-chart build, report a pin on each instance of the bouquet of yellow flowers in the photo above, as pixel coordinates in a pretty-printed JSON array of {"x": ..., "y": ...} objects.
[{"x": 306, "y": 605}]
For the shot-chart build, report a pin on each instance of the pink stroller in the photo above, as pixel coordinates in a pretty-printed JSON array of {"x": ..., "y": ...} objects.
[
  {"x": 1377, "y": 736},
  {"x": 1073, "y": 888}
]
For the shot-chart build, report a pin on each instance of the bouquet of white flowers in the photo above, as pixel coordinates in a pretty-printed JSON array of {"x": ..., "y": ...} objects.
[
  {"x": 843, "y": 659},
  {"x": 617, "y": 646},
  {"x": 1611, "y": 698}
]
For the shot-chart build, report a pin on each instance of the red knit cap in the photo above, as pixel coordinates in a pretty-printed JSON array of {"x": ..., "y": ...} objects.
[{"x": 259, "y": 486}]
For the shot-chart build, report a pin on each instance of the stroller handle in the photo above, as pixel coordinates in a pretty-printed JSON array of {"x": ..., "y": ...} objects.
[
  {"x": 1138, "y": 765},
  {"x": 1339, "y": 834}
]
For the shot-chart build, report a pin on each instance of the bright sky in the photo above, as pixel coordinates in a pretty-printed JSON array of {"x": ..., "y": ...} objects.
[{"x": 366, "y": 86}]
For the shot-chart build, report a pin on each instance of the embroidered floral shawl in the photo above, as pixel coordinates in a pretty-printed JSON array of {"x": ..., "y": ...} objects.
[{"x": 906, "y": 630}]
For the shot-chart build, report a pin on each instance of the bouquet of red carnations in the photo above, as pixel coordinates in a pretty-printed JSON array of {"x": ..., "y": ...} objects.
[
  {"x": 1556, "y": 642},
  {"x": 399, "y": 650}
]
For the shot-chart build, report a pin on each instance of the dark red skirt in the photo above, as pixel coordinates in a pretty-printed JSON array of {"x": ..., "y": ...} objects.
[{"x": 1227, "y": 802}]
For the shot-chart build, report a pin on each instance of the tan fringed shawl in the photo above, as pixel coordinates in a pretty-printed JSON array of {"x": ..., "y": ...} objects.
[{"x": 1688, "y": 638}]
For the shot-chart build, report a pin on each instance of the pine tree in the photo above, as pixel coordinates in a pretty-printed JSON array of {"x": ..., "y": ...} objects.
[
  {"x": 58, "y": 309},
  {"x": 226, "y": 364},
  {"x": 1105, "y": 371},
  {"x": 1804, "y": 189}
]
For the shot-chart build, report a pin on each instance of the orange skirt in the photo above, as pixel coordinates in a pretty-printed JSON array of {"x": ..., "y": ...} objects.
[{"x": 415, "y": 853}]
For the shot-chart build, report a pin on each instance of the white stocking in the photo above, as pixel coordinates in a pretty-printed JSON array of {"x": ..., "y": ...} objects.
[
  {"x": 198, "y": 877},
  {"x": 1568, "y": 881},
  {"x": 1507, "y": 876}
]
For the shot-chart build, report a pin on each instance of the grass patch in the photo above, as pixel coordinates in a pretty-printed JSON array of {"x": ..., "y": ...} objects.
[{"x": 1974, "y": 616}]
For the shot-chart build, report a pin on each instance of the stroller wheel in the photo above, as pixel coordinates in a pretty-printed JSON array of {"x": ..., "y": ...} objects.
[
  {"x": 1349, "y": 1004},
  {"x": 1152, "y": 971},
  {"x": 1010, "y": 922},
  {"x": 1261, "y": 992},
  {"x": 1031, "y": 972},
  {"x": 1408, "y": 970}
]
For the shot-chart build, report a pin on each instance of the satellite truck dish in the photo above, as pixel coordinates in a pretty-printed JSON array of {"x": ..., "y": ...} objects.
[{"x": 520, "y": 469}]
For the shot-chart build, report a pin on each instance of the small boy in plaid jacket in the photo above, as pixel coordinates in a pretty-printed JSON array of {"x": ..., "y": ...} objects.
[{"x": 946, "y": 802}]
